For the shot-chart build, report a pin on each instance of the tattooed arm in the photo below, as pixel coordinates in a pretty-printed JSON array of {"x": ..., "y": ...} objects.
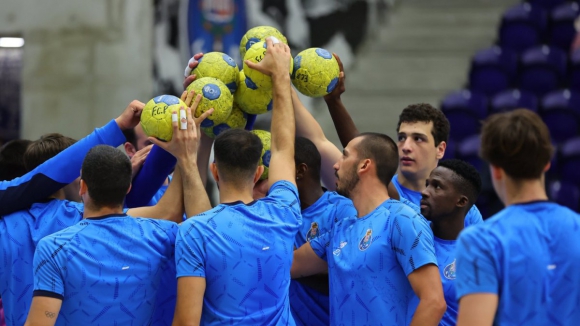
[{"x": 43, "y": 311}]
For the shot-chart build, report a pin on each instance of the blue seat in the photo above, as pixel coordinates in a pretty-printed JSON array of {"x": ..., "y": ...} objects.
[
  {"x": 543, "y": 69},
  {"x": 464, "y": 110},
  {"x": 562, "y": 31},
  {"x": 512, "y": 99},
  {"x": 492, "y": 70},
  {"x": 565, "y": 194},
  {"x": 522, "y": 26}
]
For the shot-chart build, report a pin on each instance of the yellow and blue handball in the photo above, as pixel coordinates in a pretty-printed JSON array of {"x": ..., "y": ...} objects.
[
  {"x": 316, "y": 72},
  {"x": 250, "y": 98},
  {"x": 218, "y": 65},
  {"x": 266, "y": 139},
  {"x": 253, "y": 77},
  {"x": 259, "y": 34},
  {"x": 237, "y": 120},
  {"x": 216, "y": 95},
  {"x": 156, "y": 116}
]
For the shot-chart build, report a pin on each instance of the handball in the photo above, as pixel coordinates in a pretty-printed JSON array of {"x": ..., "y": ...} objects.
[
  {"x": 251, "y": 99},
  {"x": 218, "y": 65},
  {"x": 216, "y": 95},
  {"x": 255, "y": 54},
  {"x": 315, "y": 72},
  {"x": 266, "y": 139},
  {"x": 237, "y": 120},
  {"x": 259, "y": 34},
  {"x": 156, "y": 116}
]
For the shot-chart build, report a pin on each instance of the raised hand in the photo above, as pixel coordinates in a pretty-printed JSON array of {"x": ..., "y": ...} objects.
[
  {"x": 193, "y": 62},
  {"x": 340, "y": 87},
  {"x": 276, "y": 61},
  {"x": 131, "y": 116},
  {"x": 139, "y": 158}
]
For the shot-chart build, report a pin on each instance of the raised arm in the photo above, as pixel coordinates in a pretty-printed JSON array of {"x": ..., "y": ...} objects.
[
  {"x": 308, "y": 127},
  {"x": 343, "y": 122},
  {"x": 276, "y": 63},
  {"x": 65, "y": 167}
]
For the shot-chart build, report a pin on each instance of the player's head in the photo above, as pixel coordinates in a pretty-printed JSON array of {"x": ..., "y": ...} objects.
[
  {"x": 372, "y": 156},
  {"x": 12, "y": 159},
  {"x": 517, "y": 145},
  {"x": 105, "y": 178},
  {"x": 136, "y": 140},
  {"x": 45, "y": 148},
  {"x": 422, "y": 138},
  {"x": 451, "y": 189},
  {"x": 308, "y": 161},
  {"x": 237, "y": 154}
]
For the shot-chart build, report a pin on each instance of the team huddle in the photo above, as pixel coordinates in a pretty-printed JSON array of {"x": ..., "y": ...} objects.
[{"x": 383, "y": 232}]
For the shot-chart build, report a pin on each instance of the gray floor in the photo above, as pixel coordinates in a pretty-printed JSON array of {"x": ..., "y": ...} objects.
[{"x": 419, "y": 55}]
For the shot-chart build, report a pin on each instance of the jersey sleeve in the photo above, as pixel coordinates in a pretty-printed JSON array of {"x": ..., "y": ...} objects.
[
  {"x": 286, "y": 194},
  {"x": 412, "y": 241},
  {"x": 158, "y": 165},
  {"x": 48, "y": 280},
  {"x": 320, "y": 244},
  {"x": 190, "y": 250},
  {"x": 473, "y": 217},
  {"x": 55, "y": 173},
  {"x": 476, "y": 264}
]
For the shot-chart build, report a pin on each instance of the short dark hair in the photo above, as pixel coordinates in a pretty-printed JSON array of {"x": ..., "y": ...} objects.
[
  {"x": 383, "y": 151},
  {"x": 12, "y": 159},
  {"x": 468, "y": 180},
  {"x": 237, "y": 153},
  {"x": 424, "y": 112},
  {"x": 45, "y": 148},
  {"x": 107, "y": 173},
  {"x": 518, "y": 142},
  {"x": 306, "y": 152},
  {"x": 130, "y": 136}
]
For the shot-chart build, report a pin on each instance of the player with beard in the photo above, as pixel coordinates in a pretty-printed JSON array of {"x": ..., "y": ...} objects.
[
  {"x": 380, "y": 260},
  {"x": 451, "y": 189}
]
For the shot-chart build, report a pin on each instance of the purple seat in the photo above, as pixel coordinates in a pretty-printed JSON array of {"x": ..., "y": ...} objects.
[
  {"x": 522, "y": 27},
  {"x": 565, "y": 194},
  {"x": 492, "y": 70},
  {"x": 513, "y": 99},
  {"x": 547, "y": 4},
  {"x": 560, "y": 116},
  {"x": 451, "y": 149},
  {"x": 543, "y": 69},
  {"x": 562, "y": 31},
  {"x": 563, "y": 99},
  {"x": 575, "y": 70},
  {"x": 464, "y": 110},
  {"x": 468, "y": 150},
  {"x": 569, "y": 165}
]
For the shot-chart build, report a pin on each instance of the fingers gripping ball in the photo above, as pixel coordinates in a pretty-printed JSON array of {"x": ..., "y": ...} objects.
[
  {"x": 216, "y": 95},
  {"x": 315, "y": 72},
  {"x": 259, "y": 34},
  {"x": 218, "y": 65},
  {"x": 266, "y": 139},
  {"x": 251, "y": 99},
  {"x": 156, "y": 116},
  {"x": 237, "y": 120},
  {"x": 255, "y": 54}
]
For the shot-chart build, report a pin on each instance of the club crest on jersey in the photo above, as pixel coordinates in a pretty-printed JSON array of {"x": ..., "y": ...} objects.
[
  {"x": 366, "y": 241},
  {"x": 449, "y": 271},
  {"x": 313, "y": 232}
]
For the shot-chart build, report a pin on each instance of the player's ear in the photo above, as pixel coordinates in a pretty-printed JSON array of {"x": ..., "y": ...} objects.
[
  {"x": 258, "y": 173},
  {"x": 441, "y": 149},
  {"x": 130, "y": 149},
  {"x": 130, "y": 185},
  {"x": 496, "y": 172},
  {"x": 462, "y": 202},
  {"x": 364, "y": 165},
  {"x": 82, "y": 188},
  {"x": 547, "y": 167},
  {"x": 214, "y": 172},
  {"x": 301, "y": 170}
]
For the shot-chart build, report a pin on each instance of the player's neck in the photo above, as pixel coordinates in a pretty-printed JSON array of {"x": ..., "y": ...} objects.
[
  {"x": 448, "y": 228},
  {"x": 367, "y": 197},
  {"x": 230, "y": 193},
  {"x": 60, "y": 194},
  {"x": 92, "y": 211},
  {"x": 518, "y": 192},
  {"x": 411, "y": 182},
  {"x": 311, "y": 195}
]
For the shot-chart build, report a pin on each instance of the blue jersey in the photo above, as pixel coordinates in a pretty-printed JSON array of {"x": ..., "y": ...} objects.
[
  {"x": 310, "y": 307},
  {"x": 20, "y": 232},
  {"x": 107, "y": 270},
  {"x": 369, "y": 259},
  {"x": 473, "y": 216},
  {"x": 55, "y": 173},
  {"x": 529, "y": 255},
  {"x": 445, "y": 251},
  {"x": 244, "y": 252}
]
